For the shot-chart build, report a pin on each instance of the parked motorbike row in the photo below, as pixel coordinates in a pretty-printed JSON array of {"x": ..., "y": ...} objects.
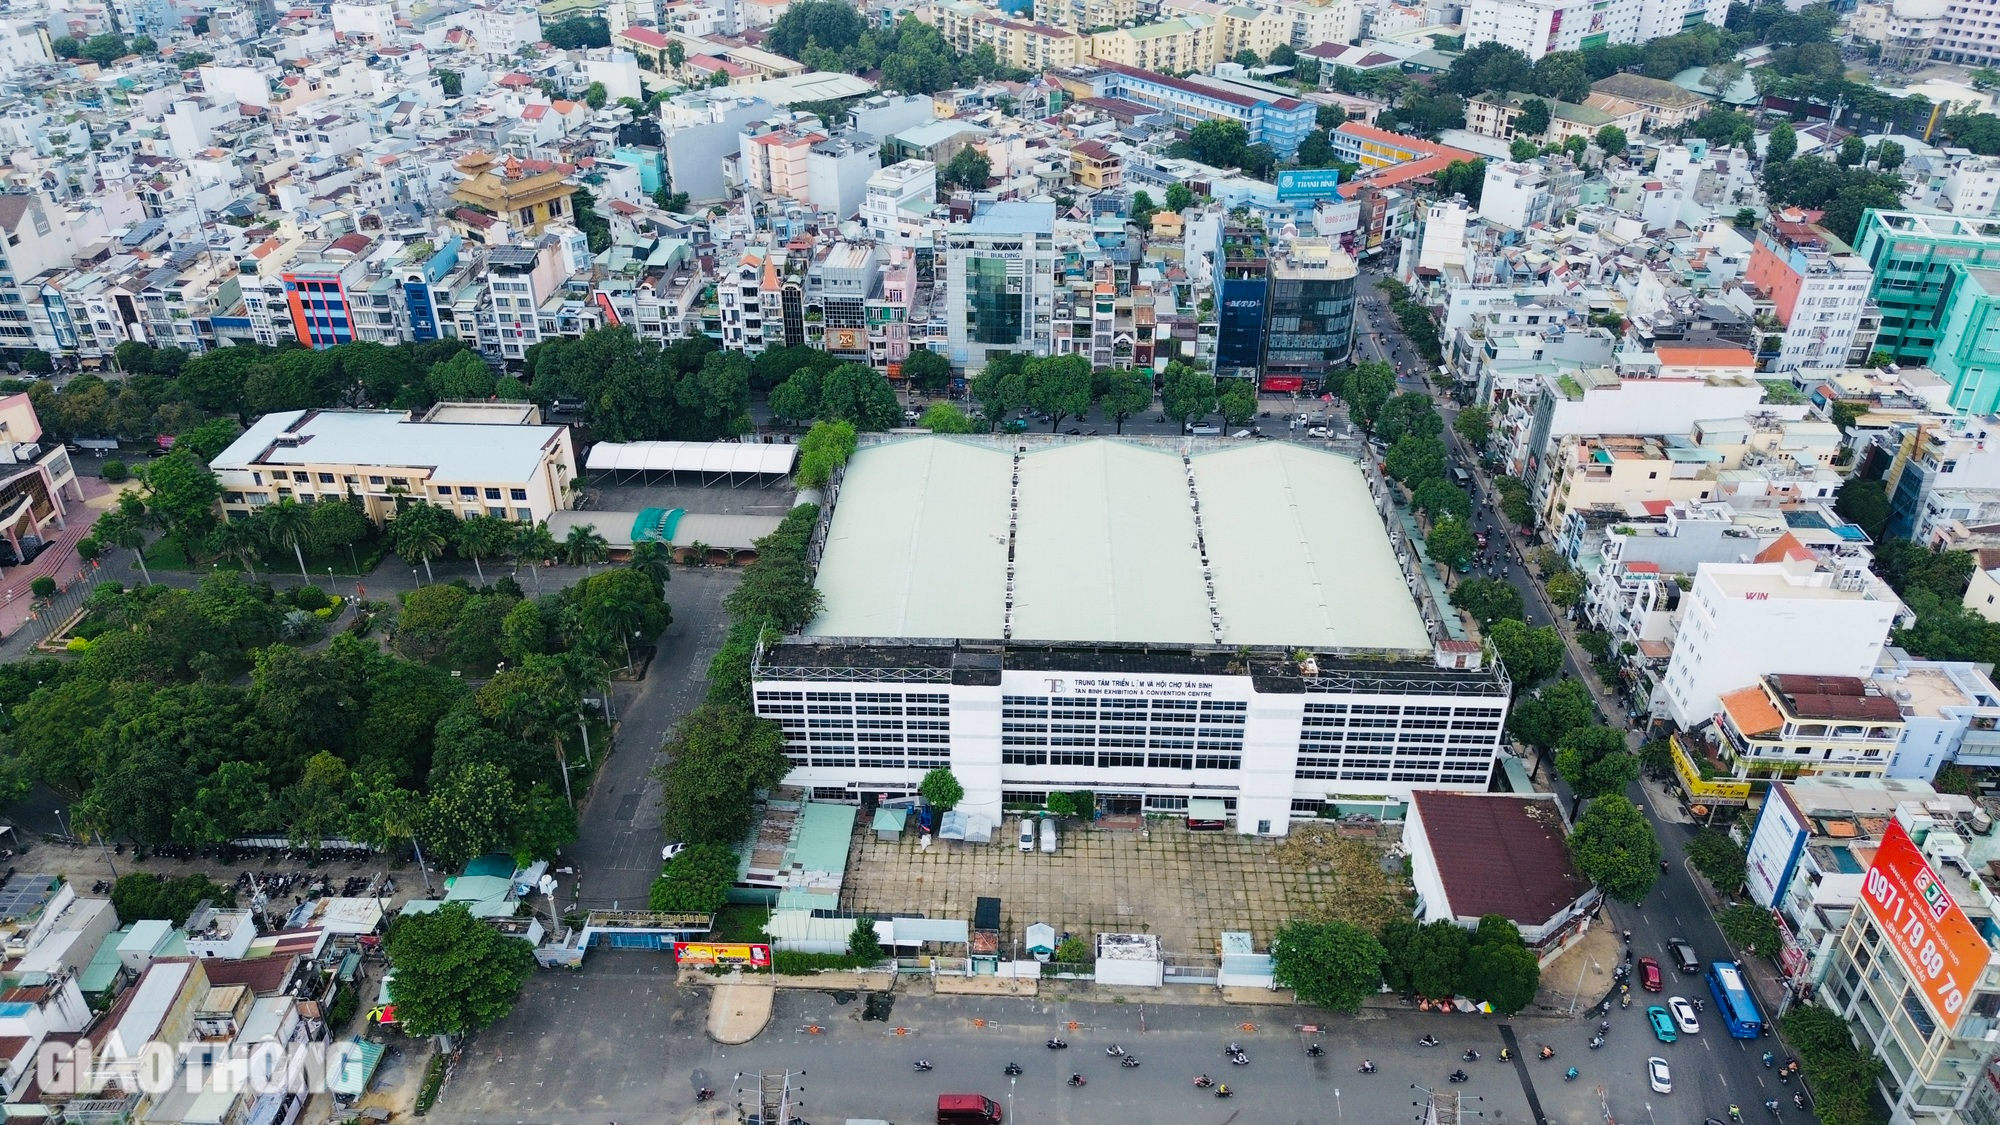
[{"x": 231, "y": 855}]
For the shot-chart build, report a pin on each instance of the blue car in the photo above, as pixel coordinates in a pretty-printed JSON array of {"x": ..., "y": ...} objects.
[{"x": 1663, "y": 1024}]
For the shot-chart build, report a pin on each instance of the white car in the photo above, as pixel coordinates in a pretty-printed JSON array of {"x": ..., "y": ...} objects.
[
  {"x": 1683, "y": 1015},
  {"x": 1662, "y": 1078},
  {"x": 671, "y": 850},
  {"x": 1317, "y": 431},
  {"x": 1027, "y": 833}
]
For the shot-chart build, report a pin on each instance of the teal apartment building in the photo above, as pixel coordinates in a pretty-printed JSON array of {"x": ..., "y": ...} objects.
[
  {"x": 1968, "y": 351},
  {"x": 1912, "y": 256}
]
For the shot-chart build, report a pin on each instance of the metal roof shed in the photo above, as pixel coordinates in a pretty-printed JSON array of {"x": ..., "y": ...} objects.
[{"x": 711, "y": 460}]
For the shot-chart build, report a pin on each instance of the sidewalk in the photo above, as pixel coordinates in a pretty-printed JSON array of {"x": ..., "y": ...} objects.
[{"x": 60, "y": 561}]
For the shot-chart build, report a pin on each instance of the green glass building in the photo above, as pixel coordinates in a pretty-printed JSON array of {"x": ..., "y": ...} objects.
[
  {"x": 1912, "y": 256},
  {"x": 1968, "y": 350}
]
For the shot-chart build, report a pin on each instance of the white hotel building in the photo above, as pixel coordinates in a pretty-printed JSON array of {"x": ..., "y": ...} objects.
[{"x": 1151, "y": 621}]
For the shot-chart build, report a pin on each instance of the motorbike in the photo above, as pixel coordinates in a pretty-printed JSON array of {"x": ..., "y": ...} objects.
[
  {"x": 1239, "y": 1059},
  {"x": 1128, "y": 1062},
  {"x": 922, "y": 1065},
  {"x": 1799, "y": 1099},
  {"x": 703, "y": 1094},
  {"x": 1428, "y": 1041},
  {"x": 1769, "y": 1058},
  {"x": 1114, "y": 1051},
  {"x": 1458, "y": 1076},
  {"x": 1596, "y": 1041},
  {"x": 1078, "y": 1080},
  {"x": 1314, "y": 1051},
  {"x": 1365, "y": 1068},
  {"x": 1470, "y": 1055},
  {"x": 1506, "y": 1054},
  {"x": 1772, "y": 1105},
  {"x": 1223, "y": 1091},
  {"x": 1625, "y": 1000},
  {"x": 1547, "y": 1052},
  {"x": 1057, "y": 1045},
  {"x": 1012, "y": 1069},
  {"x": 1569, "y": 1075},
  {"x": 1203, "y": 1082}
]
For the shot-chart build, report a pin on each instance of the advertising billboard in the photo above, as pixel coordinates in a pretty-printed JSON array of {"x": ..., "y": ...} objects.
[
  {"x": 1240, "y": 343},
  {"x": 722, "y": 953},
  {"x": 1308, "y": 183},
  {"x": 1775, "y": 846},
  {"x": 1932, "y": 937}
]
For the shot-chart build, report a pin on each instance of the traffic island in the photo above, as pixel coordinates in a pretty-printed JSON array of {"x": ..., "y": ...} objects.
[{"x": 739, "y": 1009}]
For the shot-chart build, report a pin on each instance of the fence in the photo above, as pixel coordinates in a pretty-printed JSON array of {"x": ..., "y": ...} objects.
[
  {"x": 1184, "y": 969},
  {"x": 50, "y": 616}
]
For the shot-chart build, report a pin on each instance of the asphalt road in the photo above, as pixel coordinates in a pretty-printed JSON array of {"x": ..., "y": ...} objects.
[
  {"x": 1725, "y": 1070},
  {"x": 617, "y": 852}
]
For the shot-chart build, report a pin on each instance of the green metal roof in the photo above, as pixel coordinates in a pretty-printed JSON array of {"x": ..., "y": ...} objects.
[{"x": 823, "y": 835}]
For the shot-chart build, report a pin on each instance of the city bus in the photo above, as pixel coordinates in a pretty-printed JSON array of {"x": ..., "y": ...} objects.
[{"x": 1732, "y": 1000}]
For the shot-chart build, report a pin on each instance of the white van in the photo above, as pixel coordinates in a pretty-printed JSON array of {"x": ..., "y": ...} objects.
[
  {"x": 1049, "y": 836},
  {"x": 1027, "y": 833}
]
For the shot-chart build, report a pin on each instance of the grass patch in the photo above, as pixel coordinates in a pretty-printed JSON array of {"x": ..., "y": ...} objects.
[
  {"x": 801, "y": 964},
  {"x": 741, "y": 923},
  {"x": 1369, "y": 896}
]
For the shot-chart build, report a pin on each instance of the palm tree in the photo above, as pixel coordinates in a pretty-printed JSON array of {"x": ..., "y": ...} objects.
[
  {"x": 241, "y": 537},
  {"x": 534, "y": 543},
  {"x": 118, "y": 528},
  {"x": 584, "y": 546},
  {"x": 418, "y": 534},
  {"x": 650, "y": 558},
  {"x": 479, "y": 536},
  {"x": 288, "y": 523}
]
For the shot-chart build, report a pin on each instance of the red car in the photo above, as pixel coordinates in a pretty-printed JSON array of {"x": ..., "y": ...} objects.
[{"x": 1649, "y": 974}]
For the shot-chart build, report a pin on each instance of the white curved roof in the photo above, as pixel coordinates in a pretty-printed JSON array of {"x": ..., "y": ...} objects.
[
  {"x": 691, "y": 457},
  {"x": 1104, "y": 547}
]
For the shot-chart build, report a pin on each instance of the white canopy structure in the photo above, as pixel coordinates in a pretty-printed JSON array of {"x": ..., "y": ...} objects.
[{"x": 711, "y": 459}]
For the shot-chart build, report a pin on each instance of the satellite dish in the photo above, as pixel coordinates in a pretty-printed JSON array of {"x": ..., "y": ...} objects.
[{"x": 548, "y": 885}]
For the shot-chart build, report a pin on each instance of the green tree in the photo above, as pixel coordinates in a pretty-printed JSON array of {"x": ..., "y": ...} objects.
[
  {"x": 940, "y": 788},
  {"x": 1332, "y": 965},
  {"x": 1408, "y": 415},
  {"x": 1435, "y": 958},
  {"x": 481, "y": 537},
  {"x": 945, "y": 418},
  {"x": 1488, "y": 599},
  {"x": 183, "y": 494},
  {"x": 857, "y": 393},
  {"x": 696, "y": 881},
  {"x": 1889, "y": 156},
  {"x": 1439, "y": 497},
  {"x": 1179, "y": 197},
  {"x": 1719, "y": 859},
  {"x": 1122, "y": 393},
  {"x": 1368, "y": 388},
  {"x": 1475, "y": 425},
  {"x": 1614, "y": 847},
  {"x": 1500, "y": 968},
  {"x": 1521, "y": 149},
  {"x": 1414, "y": 460},
  {"x": 118, "y": 528},
  {"x": 1238, "y": 402},
  {"x": 1781, "y": 143},
  {"x": 862, "y": 943},
  {"x": 823, "y": 451},
  {"x": 927, "y": 370},
  {"x": 1059, "y": 386},
  {"x": 1218, "y": 143},
  {"x": 1852, "y": 151},
  {"x": 595, "y": 95},
  {"x": 288, "y": 523},
  {"x": 454, "y": 973},
  {"x": 1248, "y": 59},
  {"x": 1863, "y": 503},
  {"x": 717, "y": 758},
  {"x": 1531, "y": 655},
  {"x": 1751, "y": 929},
  {"x": 1610, "y": 140},
  {"x": 103, "y": 49},
  {"x": 472, "y": 811},
  {"x": 1534, "y": 119},
  {"x": 584, "y": 547},
  {"x": 65, "y": 47},
  {"x": 1451, "y": 543},
  {"x": 1186, "y": 393},
  {"x": 577, "y": 32},
  {"x": 1142, "y": 208},
  {"x": 420, "y": 533},
  {"x": 969, "y": 168},
  {"x": 1565, "y": 588},
  {"x": 1594, "y": 760}
]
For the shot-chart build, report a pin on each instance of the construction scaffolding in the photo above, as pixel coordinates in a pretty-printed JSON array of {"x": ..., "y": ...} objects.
[{"x": 770, "y": 1098}]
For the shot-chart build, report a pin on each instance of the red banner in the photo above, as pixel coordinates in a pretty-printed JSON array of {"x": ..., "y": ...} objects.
[
  {"x": 1283, "y": 383},
  {"x": 1931, "y": 935}
]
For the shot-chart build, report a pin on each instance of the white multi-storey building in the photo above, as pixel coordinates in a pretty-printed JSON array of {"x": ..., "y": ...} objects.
[
  {"x": 1202, "y": 661},
  {"x": 899, "y": 197},
  {"x": 1742, "y": 621},
  {"x": 1000, "y": 283},
  {"x": 1542, "y": 27}
]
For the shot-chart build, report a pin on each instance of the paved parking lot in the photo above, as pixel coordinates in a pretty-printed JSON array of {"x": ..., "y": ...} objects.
[{"x": 1187, "y": 887}]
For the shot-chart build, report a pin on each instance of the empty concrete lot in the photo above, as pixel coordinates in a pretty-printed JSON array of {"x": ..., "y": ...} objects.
[{"x": 1187, "y": 887}]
